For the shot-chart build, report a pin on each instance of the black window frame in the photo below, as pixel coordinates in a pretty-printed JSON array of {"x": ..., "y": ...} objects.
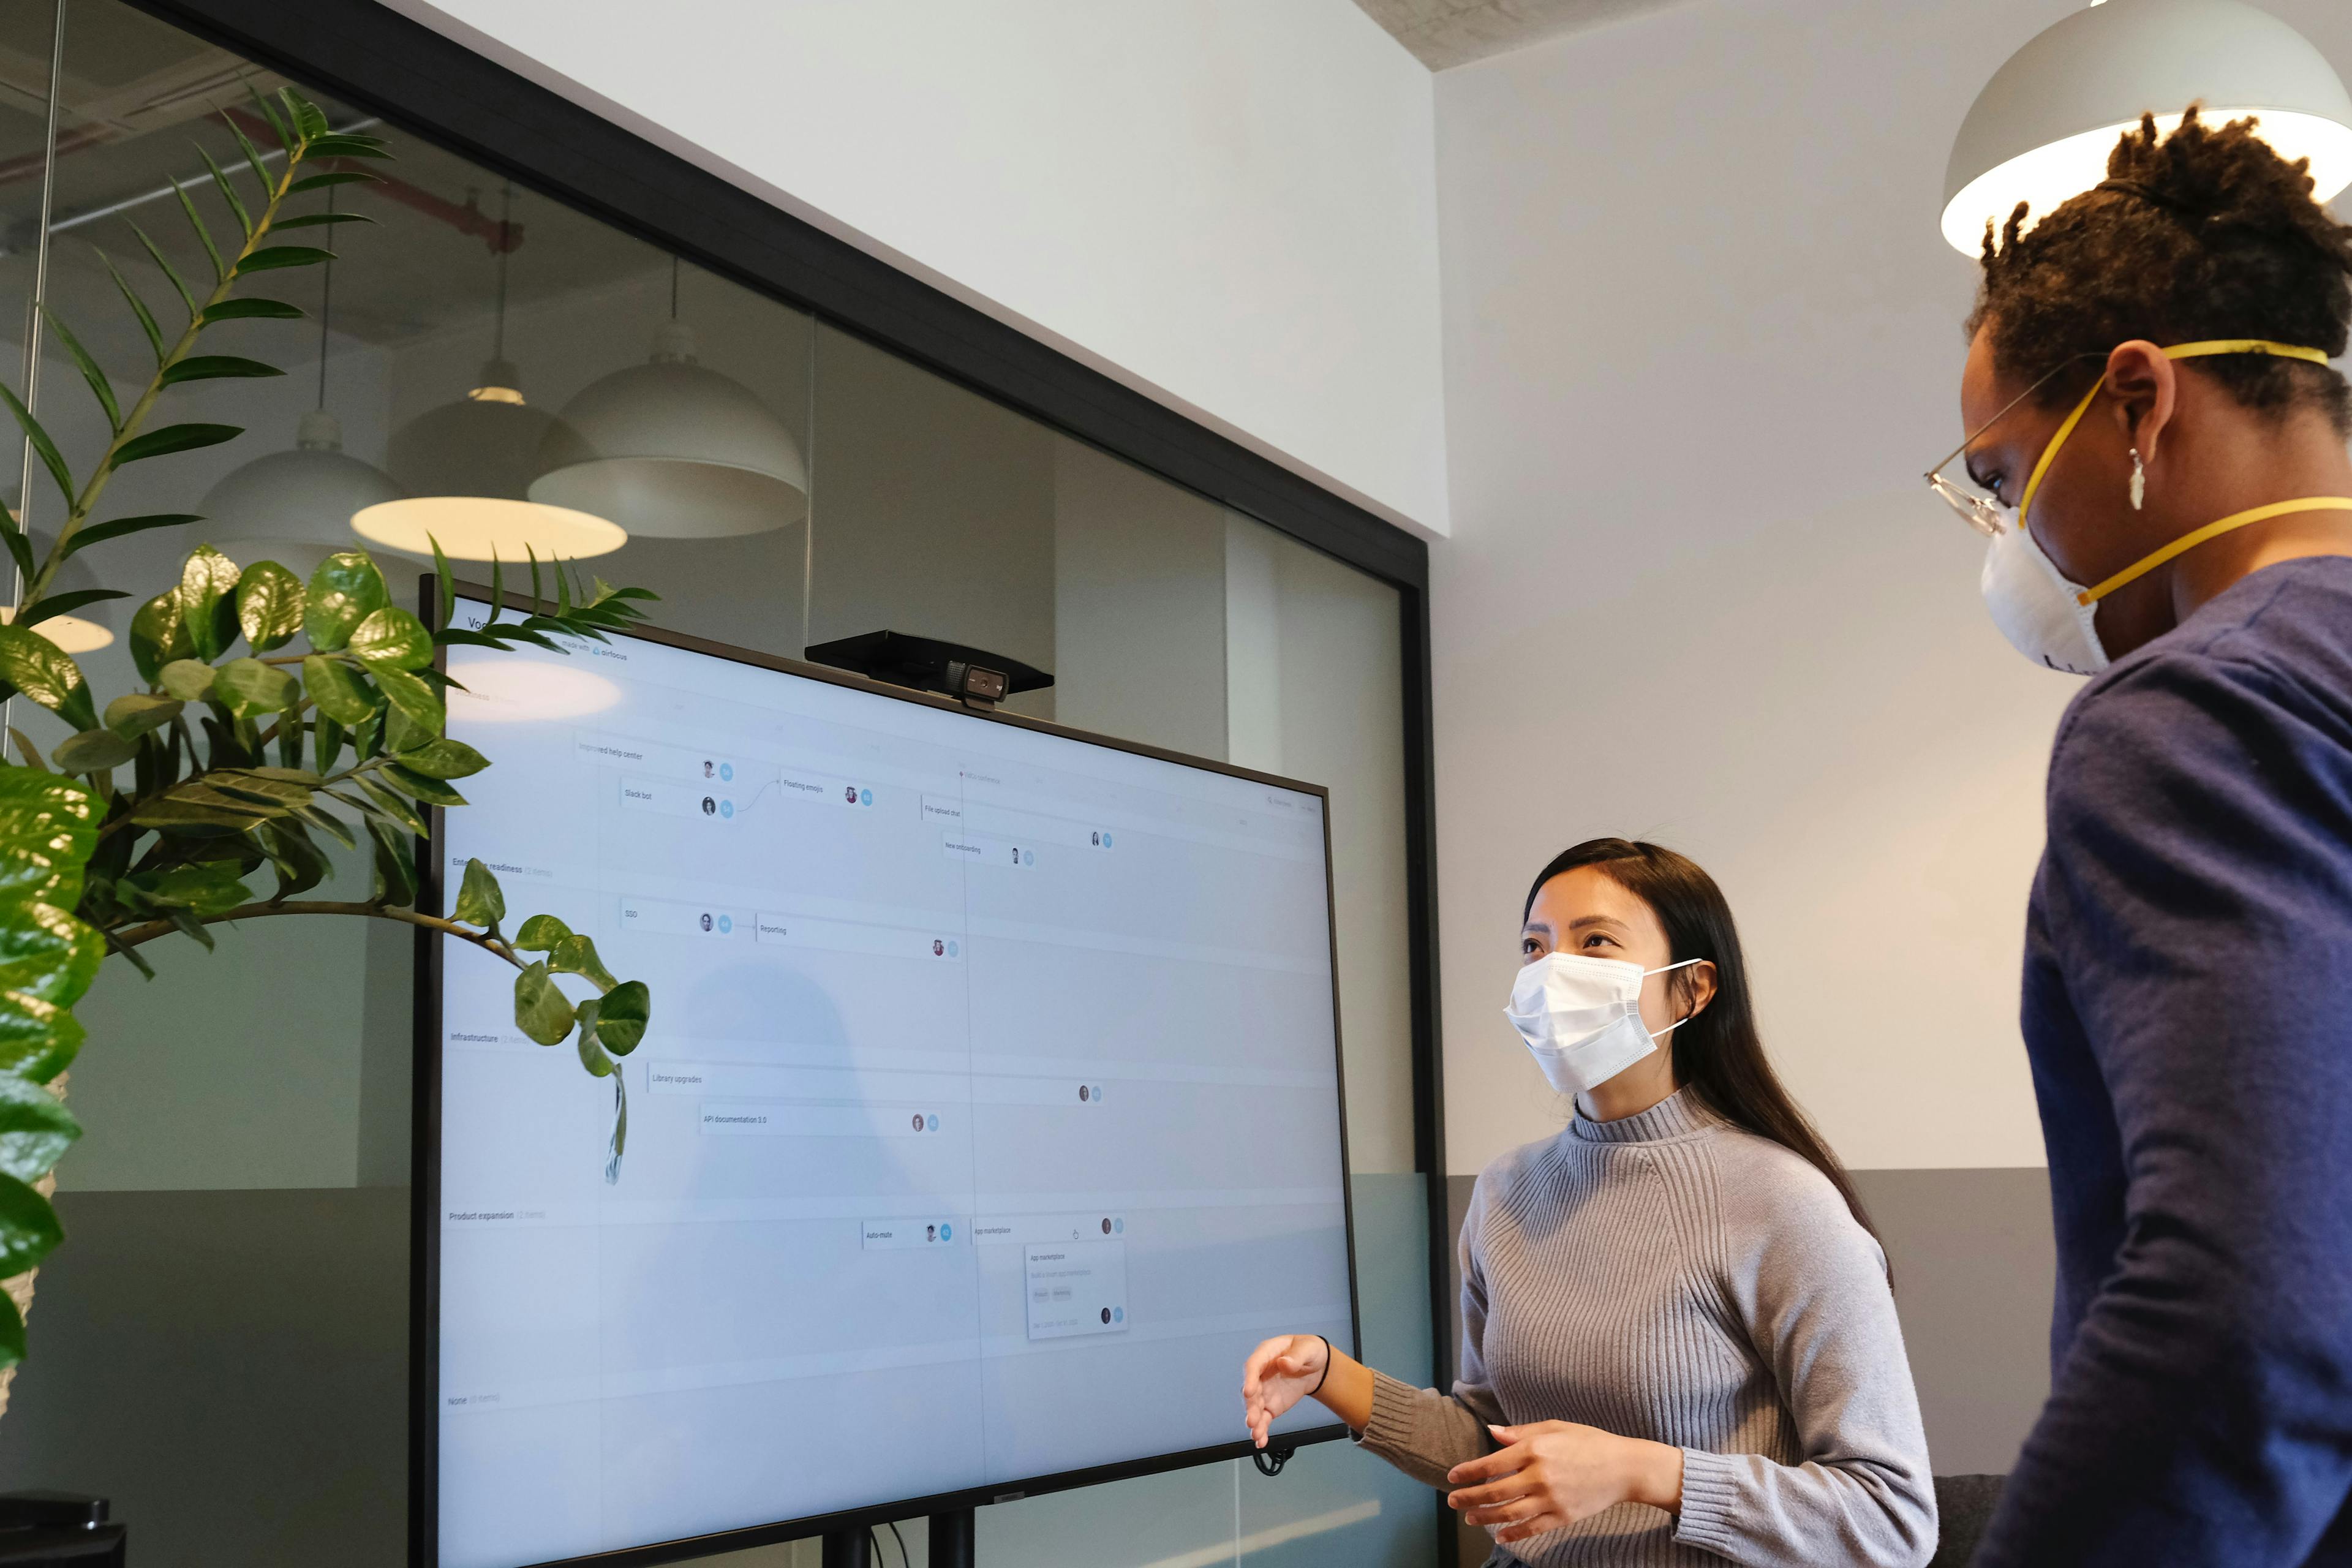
[{"x": 368, "y": 55}]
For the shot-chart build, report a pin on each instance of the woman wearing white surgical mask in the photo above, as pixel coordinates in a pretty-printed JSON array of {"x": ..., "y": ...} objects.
[{"x": 1678, "y": 1342}]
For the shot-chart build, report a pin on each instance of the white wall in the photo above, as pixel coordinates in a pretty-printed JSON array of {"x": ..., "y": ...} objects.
[
  {"x": 1227, "y": 203},
  {"x": 1702, "y": 337}
]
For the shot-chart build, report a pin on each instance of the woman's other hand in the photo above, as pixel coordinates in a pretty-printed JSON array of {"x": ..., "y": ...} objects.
[
  {"x": 1277, "y": 1376},
  {"x": 1548, "y": 1474}
]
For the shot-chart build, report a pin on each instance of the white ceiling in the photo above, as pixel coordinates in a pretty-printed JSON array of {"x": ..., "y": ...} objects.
[{"x": 1442, "y": 33}]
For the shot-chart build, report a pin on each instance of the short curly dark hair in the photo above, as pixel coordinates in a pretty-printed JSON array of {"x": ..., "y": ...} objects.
[{"x": 2202, "y": 234}]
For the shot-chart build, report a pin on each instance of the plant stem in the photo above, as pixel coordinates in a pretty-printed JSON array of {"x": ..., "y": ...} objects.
[
  {"x": 83, "y": 505},
  {"x": 136, "y": 935}
]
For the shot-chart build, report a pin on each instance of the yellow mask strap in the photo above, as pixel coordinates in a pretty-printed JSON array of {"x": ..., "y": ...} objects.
[
  {"x": 2196, "y": 537},
  {"x": 2178, "y": 350}
]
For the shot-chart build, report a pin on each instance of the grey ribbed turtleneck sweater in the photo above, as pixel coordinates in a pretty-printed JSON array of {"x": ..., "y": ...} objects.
[{"x": 1669, "y": 1276}]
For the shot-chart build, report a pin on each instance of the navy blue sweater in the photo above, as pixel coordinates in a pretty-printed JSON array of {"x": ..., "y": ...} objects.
[{"x": 2188, "y": 1012}]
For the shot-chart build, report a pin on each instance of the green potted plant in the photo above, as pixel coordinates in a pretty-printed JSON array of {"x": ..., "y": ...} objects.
[{"x": 152, "y": 818}]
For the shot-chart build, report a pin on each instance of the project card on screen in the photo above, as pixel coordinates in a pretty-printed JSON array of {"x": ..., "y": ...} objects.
[{"x": 989, "y": 1116}]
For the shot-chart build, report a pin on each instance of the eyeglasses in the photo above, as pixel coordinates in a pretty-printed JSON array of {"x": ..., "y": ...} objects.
[{"x": 1979, "y": 510}]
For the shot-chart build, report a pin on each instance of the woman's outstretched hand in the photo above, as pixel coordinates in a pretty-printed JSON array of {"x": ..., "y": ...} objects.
[
  {"x": 1277, "y": 1376},
  {"x": 1549, "y": 1474}
]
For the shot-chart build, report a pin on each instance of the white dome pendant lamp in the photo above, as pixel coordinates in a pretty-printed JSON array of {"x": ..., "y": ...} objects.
[
  {"x": 467, "y": 467},
  {"x": 295, "y": 508},
  {"x": 671, "y": 449},
  {"x": 2042, "y": 129}
]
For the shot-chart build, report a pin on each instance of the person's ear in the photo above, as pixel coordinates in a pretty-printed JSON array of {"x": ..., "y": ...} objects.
[
  {"x": 2144, "y": 387},
  {"x": 1699, "y": 989}
]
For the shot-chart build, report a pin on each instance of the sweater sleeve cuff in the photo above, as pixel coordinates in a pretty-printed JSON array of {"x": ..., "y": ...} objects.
[
  {"x": 1710, "y": 1501},
  {"x": 1390, "y": 1429}
]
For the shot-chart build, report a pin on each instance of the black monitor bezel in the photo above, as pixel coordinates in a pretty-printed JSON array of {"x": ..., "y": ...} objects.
[{"x": 424, "y": 1234}]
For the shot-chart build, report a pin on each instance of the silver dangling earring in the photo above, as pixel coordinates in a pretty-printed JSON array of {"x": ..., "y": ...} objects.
[{"x": 2138, "y": 481}]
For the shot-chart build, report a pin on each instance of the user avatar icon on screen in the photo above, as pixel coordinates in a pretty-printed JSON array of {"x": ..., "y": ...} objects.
[
  {"x": 709, "y": 806},
  {"x": 930, "y": 1233},
  {"x": 849, "y": 794},
  {"x": 706, "y": 923},
  {"x": 919, "y": 1121},
  {"x": 706, "y": 768},
  {"x": 939, "y": 948}
]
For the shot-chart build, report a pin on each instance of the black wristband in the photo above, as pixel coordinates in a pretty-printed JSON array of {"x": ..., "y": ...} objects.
[{"x": 1327, "y": 1368}]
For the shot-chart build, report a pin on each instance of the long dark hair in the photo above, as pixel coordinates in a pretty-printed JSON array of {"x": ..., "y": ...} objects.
[{"x": 1718, "y": 1056}]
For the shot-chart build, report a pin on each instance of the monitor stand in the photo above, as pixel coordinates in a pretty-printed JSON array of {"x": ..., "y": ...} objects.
[
  {"x": 952, "y": 1538},
  {"x": 951, "y": 1543}
]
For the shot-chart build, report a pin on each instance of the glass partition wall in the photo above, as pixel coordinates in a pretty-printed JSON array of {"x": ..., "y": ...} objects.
[{"x": 221, "y": 1345}]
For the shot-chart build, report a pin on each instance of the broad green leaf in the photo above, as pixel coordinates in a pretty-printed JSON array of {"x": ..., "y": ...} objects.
[
  {"x": 171, "y": 274},
  {"x": 328, "y": 737},
  {"x": 134, "y": 715},
  {"x": 11, "y": 1331},
  {"x": 159, "y": 634},
  {"x": 334, "y": 177},
  {"x": 265, "y": 789},
  {"x": 36, "y": 1129},
  {"x": 337, "y": 689},
  {"x": 411, "y": 696},
  {"x": 174, "y": 439},
  {"x": 268, "y": 604},
  {"x": 345, "y": 590},
  {"x": 430, "y": 791},
  {"x": 346, "y": 144},
  {"x": 274, "y": 256},
  {"x": 541, "y": 1011},
  {"x": 593, "y": 1055},
  {"x": 395, "y": 863},
  {"x": 208, "y": 600},
  {"x": 443, "y": 758},
  {"x": 299, "y": 863},
  {"x": 99, "y": 387},
  {"x": 479, "y": 902},
  {"x": 29, "y": 1230},
  {"x": 387, "y": 804},
  {"x": 38, "y": 1039},
  {"x": 315, "y": 220},
  {"x": 20, "y": 549},
  {"x": 98, "y": 533},
  {"x": 212, "y": 887},
  {"x": 188, "y": 680},
  {"x": 93, "y": 751},
  {"x": 199, "y": 805},
  {"x": 47, "y": 953},
  {"x": 628, "y": 1008},
  {"x": 308, "y": 118},
  {"x": 401, "y": 733},
  {"x": 392, "y": 636},
  {"x": 576, "y": 954},
  {"x": 50, "y": 605},
  {"x": 42, "y": 671},
  {"x": 137, "y": 307},
  {"x": 541, "y": 933},
  {"x": 48, "y": 828},
  {"x": 215, "y": 367},
  {"x": 248, "y": 687},
  {"x": 239, "y": 310},
  {"x": 51, "y": 458}
]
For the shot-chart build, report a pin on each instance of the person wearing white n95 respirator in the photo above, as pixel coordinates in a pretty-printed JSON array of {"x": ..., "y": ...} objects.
[{"x": 1678, "y": 1340}]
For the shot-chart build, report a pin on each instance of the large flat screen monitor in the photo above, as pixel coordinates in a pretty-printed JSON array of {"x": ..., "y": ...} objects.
[{"x": 990, "y": 1112}]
